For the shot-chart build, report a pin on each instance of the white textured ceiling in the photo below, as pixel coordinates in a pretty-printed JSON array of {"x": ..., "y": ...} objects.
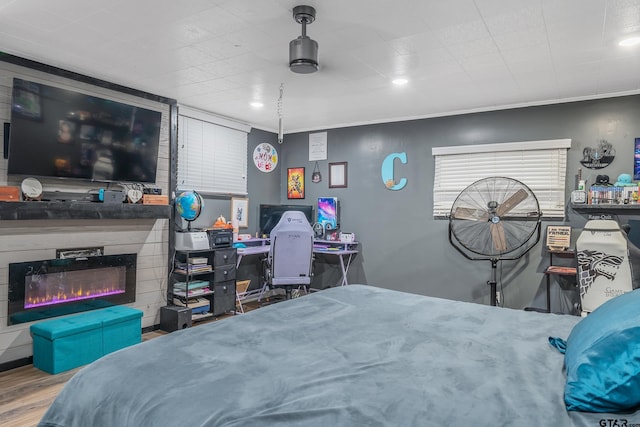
[{"x": 219, "y": 55}]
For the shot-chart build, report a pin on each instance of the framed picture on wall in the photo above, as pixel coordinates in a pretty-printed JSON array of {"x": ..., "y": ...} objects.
[
  {"x": 338, "y": 175},
  {"x": 240, "y": 212},
  {"x": 295, "y": 183}
]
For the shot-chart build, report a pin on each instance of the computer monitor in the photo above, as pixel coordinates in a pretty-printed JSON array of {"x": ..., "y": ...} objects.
[
  {"x": 271, "y": 214},
  {"x": 328, "y": 214},
  {"x": 636, "y": 159}
]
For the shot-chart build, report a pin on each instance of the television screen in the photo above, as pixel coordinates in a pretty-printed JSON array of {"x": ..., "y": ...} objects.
[
  {"x": 60, "y": 133},
  {"x": 271, "y": 214}
]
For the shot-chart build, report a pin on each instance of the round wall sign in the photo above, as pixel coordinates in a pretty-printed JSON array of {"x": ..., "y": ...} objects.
[{"x": 265, "y": 157}]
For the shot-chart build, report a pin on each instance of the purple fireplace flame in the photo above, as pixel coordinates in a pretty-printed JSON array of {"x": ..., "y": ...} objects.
[{"x": 55, "y": 288}]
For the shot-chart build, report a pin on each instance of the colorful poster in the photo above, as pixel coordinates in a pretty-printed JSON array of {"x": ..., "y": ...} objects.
[{"x": 295, "y": 183}]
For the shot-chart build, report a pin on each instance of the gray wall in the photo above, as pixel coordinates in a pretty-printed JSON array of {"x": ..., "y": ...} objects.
[{"x": 402, "y": 246}]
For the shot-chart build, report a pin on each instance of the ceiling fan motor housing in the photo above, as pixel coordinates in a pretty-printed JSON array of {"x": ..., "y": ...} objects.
[
  {"x": 303, "y": 51},
  {"x": 303, "y": 55}
]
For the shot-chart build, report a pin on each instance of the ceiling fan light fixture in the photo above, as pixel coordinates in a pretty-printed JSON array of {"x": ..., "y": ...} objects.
[
  {"x": 303, "y": 51},
  {"x": 630, "y": 41},
  {"x": 400, "y": 81}
]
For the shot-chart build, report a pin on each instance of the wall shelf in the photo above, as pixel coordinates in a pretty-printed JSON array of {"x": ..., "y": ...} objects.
[
  {"x": 582, "y": 207},
  {"x": 34, "y": 210}
]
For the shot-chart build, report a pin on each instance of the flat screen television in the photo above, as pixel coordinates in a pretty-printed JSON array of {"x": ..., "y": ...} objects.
[
  {"x": 271, "y": 214},
  {"x": 60, "y": 133}
]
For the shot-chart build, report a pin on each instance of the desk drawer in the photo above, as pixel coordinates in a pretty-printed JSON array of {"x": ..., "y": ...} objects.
[
  {"x": 224, "y": 256},
  {"x": 224, "y": 297},
  {"x": 223, "y": 273}
]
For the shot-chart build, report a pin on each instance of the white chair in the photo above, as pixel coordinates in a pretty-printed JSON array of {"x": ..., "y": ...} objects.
[
  {"x": 604, "y": 271},
  {"x": 290, "y": 261}
]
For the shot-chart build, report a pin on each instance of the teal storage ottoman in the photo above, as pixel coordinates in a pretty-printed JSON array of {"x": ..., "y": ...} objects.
[
  {"x": 63, "y": 344},
  {"x": 121, "y": 327}
]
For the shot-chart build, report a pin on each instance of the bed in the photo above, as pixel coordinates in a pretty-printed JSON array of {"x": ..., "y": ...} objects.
[{"x": 350, "y": 356}]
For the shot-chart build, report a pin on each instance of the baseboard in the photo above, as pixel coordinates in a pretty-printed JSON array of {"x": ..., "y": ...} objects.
[
  {"x": 150, "y": 328},
  {"x": 16, "y": 363}
]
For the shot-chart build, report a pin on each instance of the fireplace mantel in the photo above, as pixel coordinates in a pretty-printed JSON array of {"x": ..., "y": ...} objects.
[{"x": 34, "y": 210}]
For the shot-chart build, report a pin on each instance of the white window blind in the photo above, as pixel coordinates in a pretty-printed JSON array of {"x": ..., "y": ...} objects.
[
  {"x": 541, "y": 165},
  {"x": 212, "y": 158}
]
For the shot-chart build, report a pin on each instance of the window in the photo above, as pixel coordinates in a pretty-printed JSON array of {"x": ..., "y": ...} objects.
[
  {"x": 212, "y": 153},
  {"x": 541, "y": 165}
]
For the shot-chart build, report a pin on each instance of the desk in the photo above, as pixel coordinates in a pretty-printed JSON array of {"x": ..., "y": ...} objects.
[
  {"x": 253, "y": 247},
  {"x": 341, "y": 254},
  {"x": 251, "y": 250},
  {"x": 344, "y": 251}
]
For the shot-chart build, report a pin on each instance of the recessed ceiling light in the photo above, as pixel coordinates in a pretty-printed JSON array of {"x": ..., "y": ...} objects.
[
  {"x": 630, "y": 41},
  {"x": 400, "y": 81},
  {"x": 256, "y": 104}
]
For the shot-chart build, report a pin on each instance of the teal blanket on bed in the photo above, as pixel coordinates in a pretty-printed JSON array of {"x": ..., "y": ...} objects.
[{"x": 352, "y": 356}]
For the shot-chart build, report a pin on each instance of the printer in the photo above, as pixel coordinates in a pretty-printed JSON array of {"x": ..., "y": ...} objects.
[
  {"x": 192, "y": 240},
  {"x": 204, "y": 240},
  {"x": 220, "y": 237}
]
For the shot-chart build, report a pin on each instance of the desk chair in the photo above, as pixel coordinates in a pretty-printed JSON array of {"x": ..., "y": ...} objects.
[
  {"x": 290, "y": 260},
  {"x": 604, "y": 271}
]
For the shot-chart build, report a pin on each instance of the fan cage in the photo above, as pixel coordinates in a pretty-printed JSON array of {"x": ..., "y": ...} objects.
[{"x": 472, "y": 233}]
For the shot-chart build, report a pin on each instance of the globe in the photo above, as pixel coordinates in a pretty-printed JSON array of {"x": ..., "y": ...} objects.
[{"x": 189, "y": 205}]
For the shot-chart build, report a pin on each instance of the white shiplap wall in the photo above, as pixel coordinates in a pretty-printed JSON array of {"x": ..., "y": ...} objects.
[{"x": 38, "y": 240}]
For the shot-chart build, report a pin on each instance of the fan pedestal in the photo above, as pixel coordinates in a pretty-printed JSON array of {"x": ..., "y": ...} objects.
[{"x": 493, "y": 283}]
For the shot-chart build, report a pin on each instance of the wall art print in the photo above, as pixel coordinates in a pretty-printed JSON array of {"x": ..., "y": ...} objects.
[
  {"x": 338, "y": 175},
  {"x": 240, "y": 212},
  {"x": 295, "y": 183}
]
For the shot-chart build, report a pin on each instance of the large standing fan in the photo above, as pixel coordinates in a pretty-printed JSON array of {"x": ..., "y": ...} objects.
[{"x": 495, "y": 219}]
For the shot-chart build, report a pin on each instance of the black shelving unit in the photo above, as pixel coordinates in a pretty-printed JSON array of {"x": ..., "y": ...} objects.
[{"x": 218, "y": 269}]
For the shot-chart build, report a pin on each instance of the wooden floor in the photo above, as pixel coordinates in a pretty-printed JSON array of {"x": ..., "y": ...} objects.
[{"x": 27, "y": 392}]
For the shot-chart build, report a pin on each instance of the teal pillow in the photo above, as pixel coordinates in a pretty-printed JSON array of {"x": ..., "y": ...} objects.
[{"x": 602, "y": 358}]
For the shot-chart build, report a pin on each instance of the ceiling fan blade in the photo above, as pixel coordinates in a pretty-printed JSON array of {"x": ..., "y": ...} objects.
[
  {"x": 470, "y": 214},
  {"x": 514, "y": 200},
  {"x": 497, "y": 235}
]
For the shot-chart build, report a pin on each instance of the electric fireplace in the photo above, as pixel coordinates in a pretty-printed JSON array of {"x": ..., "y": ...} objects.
[{"x": 55, "y": 287}]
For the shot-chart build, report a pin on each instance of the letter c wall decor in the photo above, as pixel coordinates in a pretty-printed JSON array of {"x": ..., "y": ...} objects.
[{"x": 387, "y": 171}]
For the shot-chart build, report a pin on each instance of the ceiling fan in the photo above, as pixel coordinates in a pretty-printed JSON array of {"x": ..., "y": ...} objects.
[{"x": 303, "y": 51}]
